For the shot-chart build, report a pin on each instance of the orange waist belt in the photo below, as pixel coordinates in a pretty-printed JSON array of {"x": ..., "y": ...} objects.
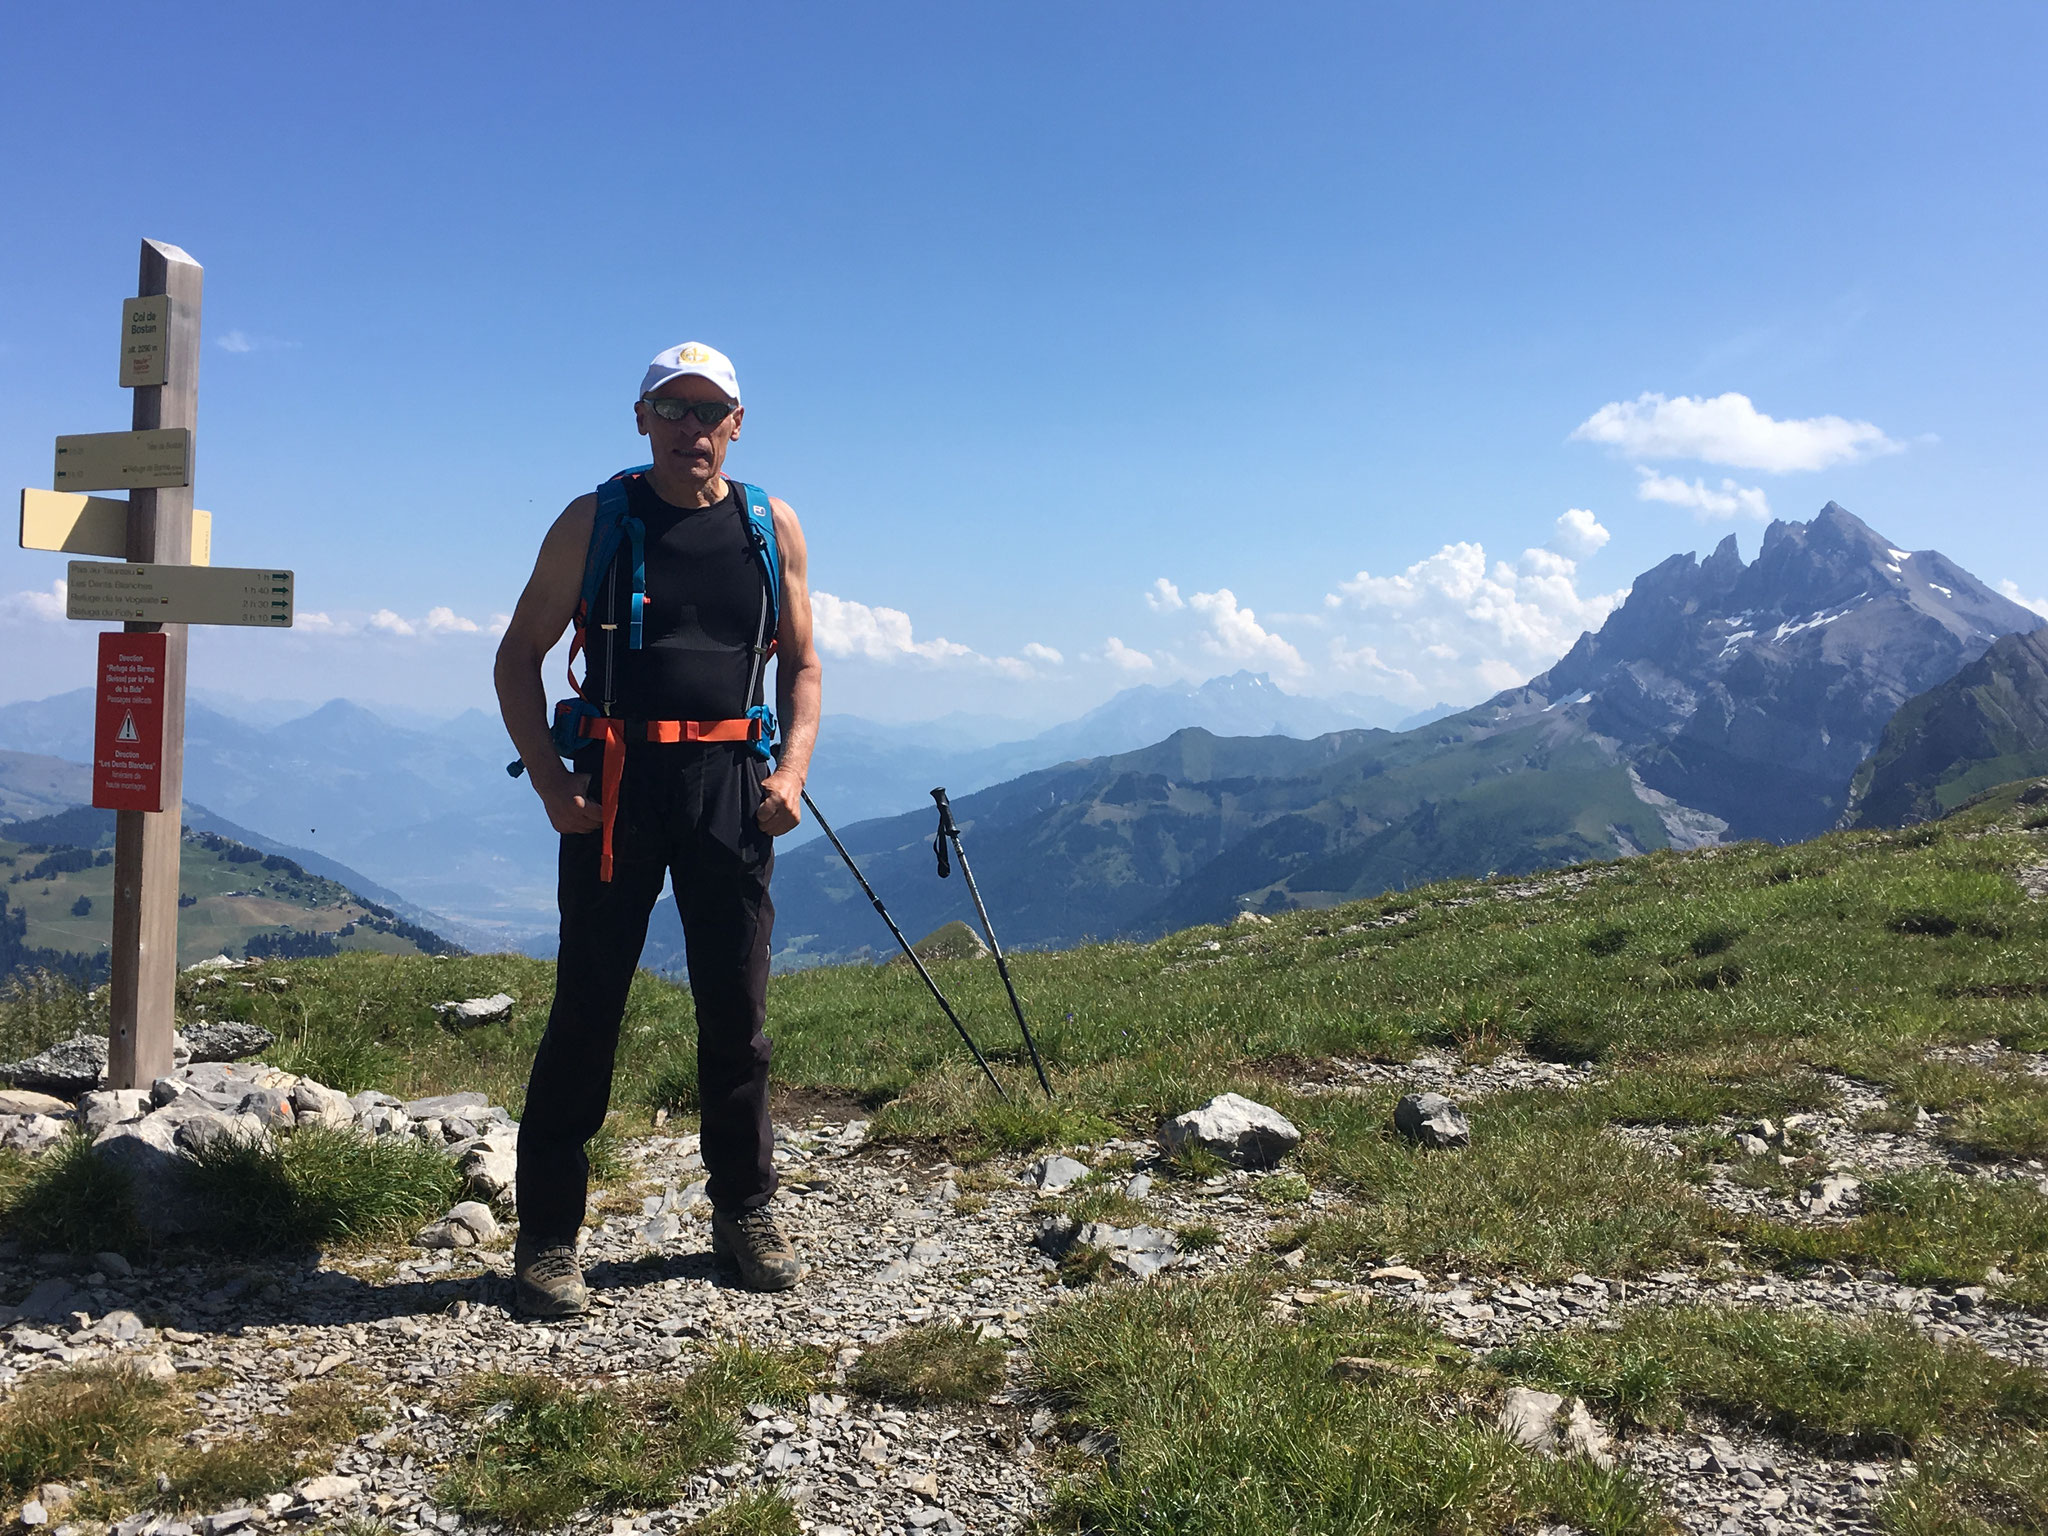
[{"x": 615, "y": 733}]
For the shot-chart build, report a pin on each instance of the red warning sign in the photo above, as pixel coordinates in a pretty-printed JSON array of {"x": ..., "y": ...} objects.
[{"x": 128, "y": 724}]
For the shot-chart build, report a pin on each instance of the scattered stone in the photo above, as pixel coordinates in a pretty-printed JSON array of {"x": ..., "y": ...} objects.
[
  {"x": 494, "y": 1009},
  {"x": 1139, "y": 1186},
  {"x": 52, "y": 1301},
  {"x": 112, "y": 1106},
  {"x": 315, "y": 1104},
  {"x": 489, "y": 1165},
  {"x": 211, "y": 1040},
  {"x": 21, "y": 1101},
  {"x": 1140, "y": 1252},
  {"x": 147, "y": 1150},
  {"x": 33, "y": 1513},
  {"x": 325, "y": 1490},
  {"x": 68, "y": 1068},
  {"x": 1431, "y": 1120},
  {"x": 1238, "y": 1130},
  {"x": 113, "y": 1265},
  {"x": 32, "y": 1133},
  {"x": 446, "y": 1106},
  {"x": 1835, "y": 1193},
  {"x": 465, "y": 1226},
  {"x": 1541, "y": 1422},
  {"x": 1053, "y": 1174}
]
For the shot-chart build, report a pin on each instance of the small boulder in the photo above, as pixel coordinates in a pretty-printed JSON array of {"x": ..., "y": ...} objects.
[
  {"x": 1242, "y": 1132},
  {"x": 19, "y": 1101},
  {"x": 445, "y": 1106},
  {"x": 494, "y": 1009},
  {"x": 325, "y": 1490},
  {"x": 465, "y": 1226},
  {"x": 315, "y": 1104},
  {"x": 112, "y": 1106},
  {"x": 489, "y": 1165},
  {"x": 271, "y": 1106},
  {"x": 948, "y": 941},
  {"x": 1053, "y": 1174},
  {"x": 68, "y": 1068},
  {"x": 147, "y": 1150},
  {"x": 1831, "y": 1195},
  {"x": 32, "y": 1133},
  {"x": 53, "y": 1300},
  {"x": 1140, "y": 1252},
  {"x": 1431, "y": 1120},
  {"x": 1541, "y": 1422},
  {"x": 211, "y": 1040}
]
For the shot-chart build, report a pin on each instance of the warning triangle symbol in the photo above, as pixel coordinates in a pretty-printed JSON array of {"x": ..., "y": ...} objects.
[{"x": 128, "y": 731}]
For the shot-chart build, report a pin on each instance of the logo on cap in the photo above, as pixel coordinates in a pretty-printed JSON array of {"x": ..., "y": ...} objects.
[{"x": 694, "y": 353}]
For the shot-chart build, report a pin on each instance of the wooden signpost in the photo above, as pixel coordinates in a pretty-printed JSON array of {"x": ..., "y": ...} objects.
[{"x": 166, "y": 583}]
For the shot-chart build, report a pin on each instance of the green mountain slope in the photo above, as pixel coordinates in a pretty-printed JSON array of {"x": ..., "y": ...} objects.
[
  {"x": 56, "y": 907},
  {"x": 1986, "y": 725}
]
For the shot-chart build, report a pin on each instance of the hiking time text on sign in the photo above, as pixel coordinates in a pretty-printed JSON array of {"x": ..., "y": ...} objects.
[
  {"x": 128, "y": 723},
  {"x": 107, "y": 592},
  {"x": 122, "y": 461}
]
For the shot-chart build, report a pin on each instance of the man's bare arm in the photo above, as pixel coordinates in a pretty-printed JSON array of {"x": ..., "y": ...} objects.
[
  {"x": 798, "y": 681},
  {"x": 545, "y": 609}
]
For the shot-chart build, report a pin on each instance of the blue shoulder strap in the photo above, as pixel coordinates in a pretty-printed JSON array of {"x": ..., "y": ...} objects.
[
  {"x": 761, "y": 529},
  {"x": 614, "y": 521}
]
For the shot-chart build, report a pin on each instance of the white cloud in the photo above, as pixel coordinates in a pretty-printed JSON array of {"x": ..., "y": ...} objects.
[
  {"x": 1579, "y": 534},
  {"x": 847, "y": 628},
  {"x": 391, "y": 623},
  {"x": 2011, "y": 589},
  {"x": 242, "y": 341},
  {"x": 1731, "y": 500},
  {"x": 1122, "y": 657},
  {"x": 500, "y": 622},
  {"x": 34, "y": 605},
  {"x": 1728, "y": 429},
  {"x": 1045, "y": 655},
  {"x": 1235, "y": 633},
  {"x": 1455, "y": 624},
  {"x": 444, "y": 621},
  {"x": 318, "y": 623},
  {"x": 1164, "y": 597}
]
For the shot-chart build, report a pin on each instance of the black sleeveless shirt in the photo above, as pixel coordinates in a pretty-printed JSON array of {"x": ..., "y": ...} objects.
[{"x": 703, "y": 613}]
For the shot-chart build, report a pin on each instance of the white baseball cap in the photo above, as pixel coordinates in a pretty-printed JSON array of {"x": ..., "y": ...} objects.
[{"x": 692, "y": 357}]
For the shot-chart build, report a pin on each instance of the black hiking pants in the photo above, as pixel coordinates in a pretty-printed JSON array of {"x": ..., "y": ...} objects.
[{"x": 685, "y": 811}]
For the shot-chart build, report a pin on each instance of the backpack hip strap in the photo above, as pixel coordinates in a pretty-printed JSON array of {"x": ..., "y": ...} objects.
[{"x": 615, "y": 733}]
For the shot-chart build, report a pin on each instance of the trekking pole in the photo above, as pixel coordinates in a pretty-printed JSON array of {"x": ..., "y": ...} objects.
[
  {"x": 947, "y": 829},
  {"x": 826, "y": 827}
]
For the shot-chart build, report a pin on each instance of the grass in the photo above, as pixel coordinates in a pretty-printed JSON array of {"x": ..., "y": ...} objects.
[
  {"x": 122, "y": 1441},
  {"x": 930, "y": 1363},
  {"x": 1866, "y": 1386},
  {"x": 1999, "y": 1489},
  {"x": 317, "y": 1187},
  {"x": 67, "y": 1201},
  {"x": 1228, "y": 1423},
  {"x": 759, "y": 1513},
  {"x": 546, "y": 1448}
]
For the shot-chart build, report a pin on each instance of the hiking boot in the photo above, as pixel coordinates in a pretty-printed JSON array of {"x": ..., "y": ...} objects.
[
  {"x": 549, "y": 1282},
  {"x": 752, "y": 1246}
]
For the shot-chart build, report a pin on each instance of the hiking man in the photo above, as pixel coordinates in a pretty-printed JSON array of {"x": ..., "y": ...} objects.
[{"x": 677, "y": 580}]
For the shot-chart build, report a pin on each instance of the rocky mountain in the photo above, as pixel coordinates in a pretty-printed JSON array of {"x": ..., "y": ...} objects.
[
  {"x": 1986, "y": 725},
  {"x": 1722, "y": 700}
]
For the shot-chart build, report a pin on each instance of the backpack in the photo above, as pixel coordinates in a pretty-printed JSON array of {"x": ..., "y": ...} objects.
[{"x": 613, "y": 526}]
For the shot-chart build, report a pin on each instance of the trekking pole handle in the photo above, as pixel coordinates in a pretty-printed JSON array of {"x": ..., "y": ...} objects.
[{"x": 946, "y": 830}]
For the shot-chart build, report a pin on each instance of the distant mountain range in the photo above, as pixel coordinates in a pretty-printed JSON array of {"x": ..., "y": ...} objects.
[
  {"x": 1987, "y": 725},
  {"x": 1722, "y": 700},
  {"x": 431, "y": 813}
]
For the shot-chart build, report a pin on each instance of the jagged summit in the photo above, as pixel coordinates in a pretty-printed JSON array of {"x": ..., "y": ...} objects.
[{"x": 1714, "y": 672}]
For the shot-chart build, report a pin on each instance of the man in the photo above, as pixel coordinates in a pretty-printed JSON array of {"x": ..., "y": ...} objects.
[{"x": 702, "y": 811}]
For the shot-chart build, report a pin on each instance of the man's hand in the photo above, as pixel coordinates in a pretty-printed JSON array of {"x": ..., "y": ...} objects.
[
  {"x": 781, "y": 803},
  {"x": 567, "y": 808}
]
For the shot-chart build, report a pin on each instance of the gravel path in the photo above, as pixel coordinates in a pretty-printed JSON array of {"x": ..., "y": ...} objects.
[{"x": 891, "y": 1239}]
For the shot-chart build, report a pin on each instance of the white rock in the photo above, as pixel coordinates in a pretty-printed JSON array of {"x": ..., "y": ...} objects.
[
  {"x": 1241, "y": 1131},
  {"x": 21, "y": 1101},
  {"x": 112, "y": 1106},
  {"x": 32, "y": 1133},
  {"x": 1053, "y": 1174},
  {"x": 316, "y": 1104},
  {"x": 466, "y": 1225},
  {"x": 1542, "y": 1422},
  {"x": 325, "y": 1490},
  {"x": 1836, "y": 1192},
  {"x": 489, "y": 1165},
  {"x": 1139, "y": 1252},
  {"x": 148, "y": 1150},
  {"x": 477, "y": 1010},
  {"x": 33, "y": 1513},
  {"x": 1432, "y": 1120}
]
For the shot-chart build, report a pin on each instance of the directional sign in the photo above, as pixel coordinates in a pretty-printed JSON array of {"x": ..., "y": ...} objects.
[
  {"x": 177, "y": 594},
  {"x": 128, "y": 723},
  {"x": 144, "y": 325},
  {"x": 93, "y": 525},
  {"x": 123, "y": 461}
]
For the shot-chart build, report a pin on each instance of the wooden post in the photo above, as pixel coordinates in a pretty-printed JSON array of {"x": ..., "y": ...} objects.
[{"x": 146, "y": 843}]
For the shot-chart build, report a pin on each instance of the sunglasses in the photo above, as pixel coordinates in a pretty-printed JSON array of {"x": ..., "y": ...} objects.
[{"x": 708, "y": 412}]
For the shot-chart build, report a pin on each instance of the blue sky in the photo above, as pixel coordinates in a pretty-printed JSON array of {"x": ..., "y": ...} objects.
[{"x": 1377, "y": 347}]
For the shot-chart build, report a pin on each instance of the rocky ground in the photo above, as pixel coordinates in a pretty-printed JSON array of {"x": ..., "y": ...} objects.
[{"x": 893, "y": 1238}]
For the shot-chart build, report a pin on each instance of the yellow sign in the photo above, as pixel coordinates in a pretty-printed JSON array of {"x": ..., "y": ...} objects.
[
  {"x": 124, "y": 461},
  {"x": 93, "y": 525},
  {"x": 145, "y": 330},
  {"x": 104, "y": 592}
]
